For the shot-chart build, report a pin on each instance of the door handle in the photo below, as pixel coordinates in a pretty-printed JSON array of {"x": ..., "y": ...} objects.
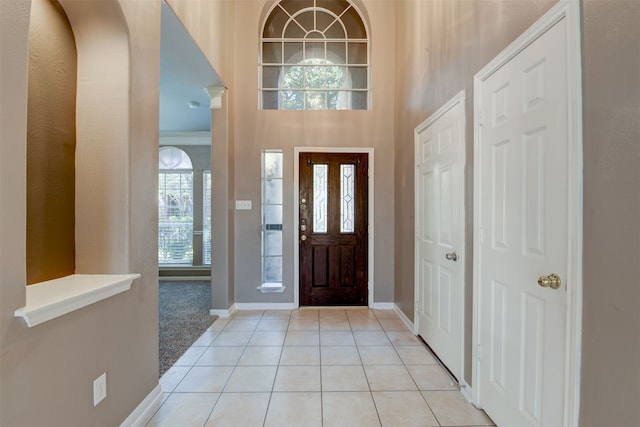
[
  {"x": 551, "y": 281},
  {"x": 452, "y": 256},
  {"x": 303, "y": 237}
]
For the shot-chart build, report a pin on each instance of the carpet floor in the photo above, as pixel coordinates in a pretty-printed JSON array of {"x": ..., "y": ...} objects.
[{"x": 184, "y": 316}]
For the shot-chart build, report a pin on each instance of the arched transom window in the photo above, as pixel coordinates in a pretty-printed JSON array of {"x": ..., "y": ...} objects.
[{"x": 315, "y": 56}]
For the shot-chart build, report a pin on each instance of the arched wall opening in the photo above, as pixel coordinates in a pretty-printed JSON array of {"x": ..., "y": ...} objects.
[
  {"x": 51, "y": 144},
  {"x": 102, "y": 136}
]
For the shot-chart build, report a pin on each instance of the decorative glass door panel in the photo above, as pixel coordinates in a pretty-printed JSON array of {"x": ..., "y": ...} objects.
[{"x": 333, "y": 229}]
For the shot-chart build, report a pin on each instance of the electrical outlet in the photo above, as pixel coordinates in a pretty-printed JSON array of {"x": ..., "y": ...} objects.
[
  {"x": 99, "y": 389},
  {"x": 243, "y": 205}
]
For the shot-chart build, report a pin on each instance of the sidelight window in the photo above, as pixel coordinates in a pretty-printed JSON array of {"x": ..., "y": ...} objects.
[
  {"x": 272, "y": 174},
  {"x": 206, "y": 218}
]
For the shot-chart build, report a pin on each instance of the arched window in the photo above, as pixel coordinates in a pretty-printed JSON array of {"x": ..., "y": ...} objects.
[
  {"x": 175, "y": 203},
  {"x": 315, "y": 56}
]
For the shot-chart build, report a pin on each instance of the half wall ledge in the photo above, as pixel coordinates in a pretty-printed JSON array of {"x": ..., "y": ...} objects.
[{"x": 57, "y": 297}]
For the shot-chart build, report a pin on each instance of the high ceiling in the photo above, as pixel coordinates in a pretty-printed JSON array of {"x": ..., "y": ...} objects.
[{"x": 184, "y": 75}]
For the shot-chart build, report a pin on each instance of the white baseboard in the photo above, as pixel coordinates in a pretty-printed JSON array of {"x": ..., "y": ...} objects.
[
  {"x": 223, "y": 313},
  {"x": 405, "y": 319},
  {"x": 382, "y": 306},
  {"x": 264, "y": 306},
  {"x": 145, "y": 410}
]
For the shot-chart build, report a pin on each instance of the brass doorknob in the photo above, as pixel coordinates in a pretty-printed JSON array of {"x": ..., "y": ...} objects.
[
  {"x": 303, "y": 237},
  {"x": 551, "y": 281}
]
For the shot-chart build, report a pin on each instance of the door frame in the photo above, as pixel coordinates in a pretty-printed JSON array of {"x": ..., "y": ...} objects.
[
  {"x": 296, "y": 215},
  {"x": 458, "y": 100},
  {"x": 569, "y": 10}
]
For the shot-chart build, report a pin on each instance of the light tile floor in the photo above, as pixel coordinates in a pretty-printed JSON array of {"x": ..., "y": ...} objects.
[{"x": 311, "y": 367}]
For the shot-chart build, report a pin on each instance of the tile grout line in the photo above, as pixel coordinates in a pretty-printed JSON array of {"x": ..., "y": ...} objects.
[
  {"x": 373, "y": 400},
  {"x": 264, "y": 419},
  {"x": 228, "y": 379}
]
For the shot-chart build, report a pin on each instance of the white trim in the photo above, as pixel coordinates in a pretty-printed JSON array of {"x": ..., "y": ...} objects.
[
  {"x": 185, "y": 138},
  {"x": 382, "y": 305},
  {"x": 145, "y": 410},
  {"x": 223, "y": 313},
  {"x": 240, "y": 306},
  {"x": 569, "y": 10},
  {"x": 405, "y": 319},
  {"x": 271, "y": 288},
  {"x": 57, "y": 297},
  {"x": 457, "y": 100},
  {"x": 215, "y": 94},
  {"x": 183, "y": 278},
  {"x": 465, "y": 390},
  {"x": 296, "y": 215}
]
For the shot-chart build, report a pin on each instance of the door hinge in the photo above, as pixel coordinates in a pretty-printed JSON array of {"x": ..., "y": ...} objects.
[
  {"x": 480, "y": 118},
  {"x": 479, "y": 352}
]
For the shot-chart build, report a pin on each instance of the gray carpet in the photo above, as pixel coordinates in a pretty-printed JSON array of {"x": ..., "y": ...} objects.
[{"x": 184, "y": 316}]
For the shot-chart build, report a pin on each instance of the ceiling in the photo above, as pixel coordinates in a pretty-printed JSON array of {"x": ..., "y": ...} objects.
[{"x": 184, "y": 75}]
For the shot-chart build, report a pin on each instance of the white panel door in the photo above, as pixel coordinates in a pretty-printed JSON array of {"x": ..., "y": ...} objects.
[
  {"x": 522, "y": 144},
  {"x": 439, "y": 272}
]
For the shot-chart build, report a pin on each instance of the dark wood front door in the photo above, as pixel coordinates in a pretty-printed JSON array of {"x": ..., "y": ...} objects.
[{"x": 333, "y": 226}]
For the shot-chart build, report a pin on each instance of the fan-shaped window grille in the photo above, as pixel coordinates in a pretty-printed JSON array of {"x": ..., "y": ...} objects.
[
  {"x": 173, "y": 158},
  {"x": 175, "y": 204},
  {"x": 315, "y": 56}
]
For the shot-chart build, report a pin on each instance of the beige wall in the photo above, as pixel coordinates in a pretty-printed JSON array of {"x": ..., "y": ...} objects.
[
  {"x": 211, "y": 25},
  {"x": 441, "y": 44},
  {"x": 51, "y": 143},
  {"x": 610, "y": 389},
  {"x": 47, "y": 371}
]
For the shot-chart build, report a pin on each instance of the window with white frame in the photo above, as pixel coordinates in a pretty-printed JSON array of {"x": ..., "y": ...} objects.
[
  {"x": 272, "y": 164},
  {"x": 175, "y": 205},
  {"x": 206, "y": 218},
  {"x": 314, "y": 56}
]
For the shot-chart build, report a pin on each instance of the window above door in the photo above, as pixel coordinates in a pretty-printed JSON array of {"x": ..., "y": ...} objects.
[{"x": 314, "y": 56}]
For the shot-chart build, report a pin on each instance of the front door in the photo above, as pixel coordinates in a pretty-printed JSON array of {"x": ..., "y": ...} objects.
[
  {"x": 333, "y": 228},
  {"x": 439, "y": 152},
  {"x": 523, "y": 149}
]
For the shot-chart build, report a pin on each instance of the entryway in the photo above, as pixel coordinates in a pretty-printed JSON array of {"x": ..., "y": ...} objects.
[{"x": 333, "y": 228}]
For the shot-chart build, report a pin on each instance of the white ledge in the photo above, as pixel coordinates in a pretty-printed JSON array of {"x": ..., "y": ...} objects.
[
  {"x": 54, "y": 298},
  {"x": 271, "y": 287}
]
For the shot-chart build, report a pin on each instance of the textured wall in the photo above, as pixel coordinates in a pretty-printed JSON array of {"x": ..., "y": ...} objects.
[
  {"x": 47, "y": 371},
  {"x": 610, "y": 389},
  {"x": 51, "y": 141}
]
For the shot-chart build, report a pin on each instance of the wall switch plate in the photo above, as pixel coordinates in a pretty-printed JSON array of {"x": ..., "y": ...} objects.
[
  {"x": 243, "y": 205},
  {"x": 99, "y": 389}
]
